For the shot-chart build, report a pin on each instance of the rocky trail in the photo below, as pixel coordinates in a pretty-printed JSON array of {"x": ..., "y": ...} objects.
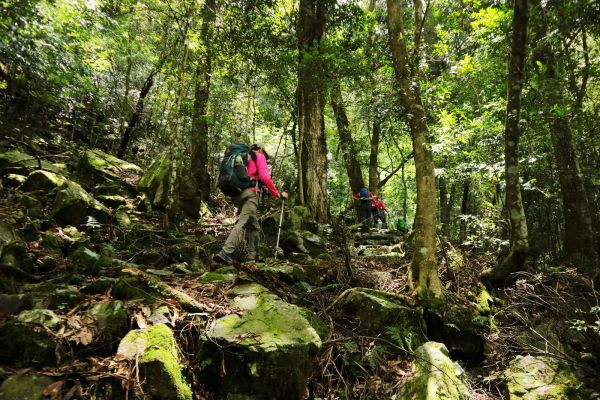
[{"x": 104, "y": 297}]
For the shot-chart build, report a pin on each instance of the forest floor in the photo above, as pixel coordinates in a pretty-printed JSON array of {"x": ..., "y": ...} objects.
[{"x": 351, "y": 364}]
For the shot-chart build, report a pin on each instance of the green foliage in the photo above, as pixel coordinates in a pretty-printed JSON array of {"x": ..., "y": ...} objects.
[{"x": 406, "y": 339}]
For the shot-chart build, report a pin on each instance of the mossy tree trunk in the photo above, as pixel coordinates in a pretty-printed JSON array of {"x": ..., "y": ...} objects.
[
  {"x": 519, "y": 243},
  {"x": 201, "y": 96},
  {"x": 423, "y": 272},
  {"x": 579, "y": 247},
  {"x": 311, "y": 81}
]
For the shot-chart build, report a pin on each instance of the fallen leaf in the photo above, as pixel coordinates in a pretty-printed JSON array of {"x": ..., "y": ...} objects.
[{"x": 53, "y": 389}]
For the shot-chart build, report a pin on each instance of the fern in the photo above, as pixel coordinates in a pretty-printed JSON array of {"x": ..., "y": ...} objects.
[{"x": 92, "y": 223}]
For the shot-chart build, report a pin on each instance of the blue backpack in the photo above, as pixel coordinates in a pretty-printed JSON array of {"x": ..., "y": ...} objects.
[
  {"x": 233, "y": 176},
  {"x": 364, "y": 194}
]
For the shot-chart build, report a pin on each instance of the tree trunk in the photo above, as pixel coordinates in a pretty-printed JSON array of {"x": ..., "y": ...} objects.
[
  {"x": 579, "y": 236},
  {"x": 201, "y": 96},
  {"x": 135, "y": 117},
  {"x": 346, "y": 141},
  {"x": 445, "y": 205},
  {"x": 373, "y": 172},
  {"x": 464, "y": 210},
  {"x": 423, "y": 275},
  {"x": 310, "y": 81},
  {"x": 519, "y": 242}
]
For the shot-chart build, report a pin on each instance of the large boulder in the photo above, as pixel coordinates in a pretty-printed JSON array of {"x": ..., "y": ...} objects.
[
  {"x": 378, "y": 312},
  {"x": 156, "y": 181},
  {"x": 24, "y": 387},
  {"x": 14, "y": 258},
  {"x": 155, "y": 352},
  {"x": 265, "y": 352},
  {"x": 73, "y": 205},
  {"x": 42, "y": 181},
  {"x": 17, "y": 162},
  {"x": 102, "y": 168},
  {"x": 436, "y": 376},
  {"x": 541, "y": 378},
  {"x": 25, "y": 340},
  {"x": 461, "y": 326}
]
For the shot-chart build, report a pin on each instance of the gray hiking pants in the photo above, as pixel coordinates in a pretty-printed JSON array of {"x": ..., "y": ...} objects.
[{"x": 247, "y": 225}]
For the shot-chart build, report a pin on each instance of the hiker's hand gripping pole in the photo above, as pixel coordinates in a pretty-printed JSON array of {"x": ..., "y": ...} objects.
[{"x": 280, "y": 221}]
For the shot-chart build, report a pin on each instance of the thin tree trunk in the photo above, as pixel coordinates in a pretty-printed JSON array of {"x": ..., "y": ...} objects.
[
  {"x": 464, "y": 210},
  {"x": 579, "y": 236},
  {"x": 423, "y": 275},
  {"x": 347, "y": 144},
  {"x": 136, "y": 116},
  {"x": 201, "y": 96},
  {"x": 444, "y": 205},
  {"x": 310, "y": 82},
  {"x": 519, "y": 242},
  {"x": 373, "y": 172}
]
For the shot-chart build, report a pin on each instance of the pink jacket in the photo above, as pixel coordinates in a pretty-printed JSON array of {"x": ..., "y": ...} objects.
[{"x": 260, "y": 170}]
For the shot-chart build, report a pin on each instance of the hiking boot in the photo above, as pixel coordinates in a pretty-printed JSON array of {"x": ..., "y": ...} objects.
[{"x": 223, "y": 257}]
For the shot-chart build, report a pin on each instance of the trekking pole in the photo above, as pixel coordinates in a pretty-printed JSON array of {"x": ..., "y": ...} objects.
[{"x": 279, "y": 230}]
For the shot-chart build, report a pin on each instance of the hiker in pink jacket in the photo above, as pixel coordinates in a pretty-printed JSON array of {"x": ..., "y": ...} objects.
[{"x": 247, "y": 204}]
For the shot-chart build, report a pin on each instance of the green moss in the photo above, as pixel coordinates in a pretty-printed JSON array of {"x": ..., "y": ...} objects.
[
  {"x": 156, "y": 352},
  {"x": 24, "y": 342},
  {"x": 72, "y": 205},
  {"x": 484, "y": 300},
  {"x": 111, "y": 318},
  {"x": 269, "y": 340},
  {"x": 268, "y": 323},
  {"x": 128, "y": 288},
  {"x": 20, "y": 163},
  {"x": 375, "y": 311},
  {"x": 436, "y": 376},
  {"x": 155, "y": 181},
  {"x": 298, "y": 217},
  {"x": 216, "y": 277},
  {"x": 537, "y": 378},
  {"x": 52, "y": 295},
  {"x": 24, "y": 387},
  {"x": 42, "y": 181}
]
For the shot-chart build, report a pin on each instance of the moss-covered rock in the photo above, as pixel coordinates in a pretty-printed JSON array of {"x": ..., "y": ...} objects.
[
  {"x": 14, "y": 303},
  {"x": 7, "y": 233},
  {"x": 52, "y": 295},
  {"x": 436, "y": 376},
  {"x": 14, "y": 259},
  {"x": 73, "y": 205},
  {"x": 87, "y": 262},
  {"x": 155, "y": 181},
  {"x": 25, "y": 342},
  {"x": 541, "y": 378},
  {"x": 112, "y": 201},
  {"x": 17, "y": 162},
  {"x": 460, "y": 326},
  {"x": 155, "y": 352},
  {"x": 377, "y": 312},
  {"x": 24, "y": 387},
  {"x": 288, "y": 272},
  {"x": 129, "y": 288},
  {"x": 32, "y": 206},
  {"x": 42, "y": 181},
  {"x": 271, "y": 339},
  {"x": 13, "y": 180},
  {"x": 111, "y": 318},
  {"x": 100, "y": 167}
]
